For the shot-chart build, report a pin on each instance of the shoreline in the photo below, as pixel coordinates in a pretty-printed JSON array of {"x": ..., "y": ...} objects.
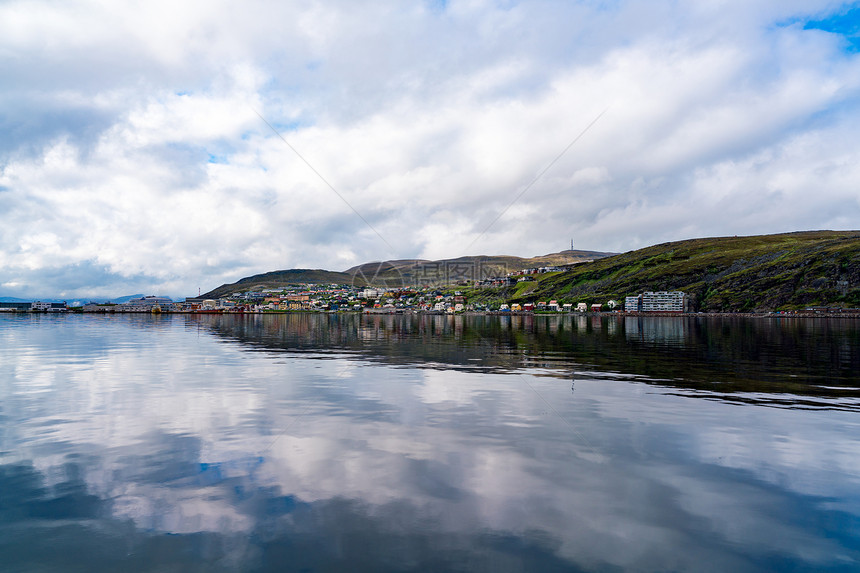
[{"x": 389, "y": 312}]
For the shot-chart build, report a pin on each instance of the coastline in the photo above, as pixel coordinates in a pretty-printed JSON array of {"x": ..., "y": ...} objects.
[{"x": 383, "y": 312}]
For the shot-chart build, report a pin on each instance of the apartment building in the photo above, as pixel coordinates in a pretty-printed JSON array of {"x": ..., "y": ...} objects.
[{"x": 663, "y": 301}]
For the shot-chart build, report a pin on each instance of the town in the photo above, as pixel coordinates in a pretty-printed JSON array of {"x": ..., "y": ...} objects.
[
  {"x": 344, "y": 298},
  {"x": 449, "y": 292}
]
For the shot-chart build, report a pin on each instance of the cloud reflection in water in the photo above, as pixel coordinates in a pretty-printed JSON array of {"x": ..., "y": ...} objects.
[{"x": 146, "y": 445}]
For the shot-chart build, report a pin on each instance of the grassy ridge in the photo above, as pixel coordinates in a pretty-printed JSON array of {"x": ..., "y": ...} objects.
[
  {"x": 412, "y": 272},
  {"x": 278, "y": 279},
  {"x": 398, "y": 273},
  {"x": 725, "y": 274}
]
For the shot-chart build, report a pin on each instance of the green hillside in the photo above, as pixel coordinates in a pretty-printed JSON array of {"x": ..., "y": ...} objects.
[
  {"x": 725, "y": 274},
  {"x": 276, "y": 279},
  {"x": 405, "y": 272},
  {"x": 417, "y": 272}
]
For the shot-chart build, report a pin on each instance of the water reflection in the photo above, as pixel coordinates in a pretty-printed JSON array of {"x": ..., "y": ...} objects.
[
  {"x": 316, "y": 443},
  {"x": 657, "y": 330},
  {"x": 721, "y": 355}
]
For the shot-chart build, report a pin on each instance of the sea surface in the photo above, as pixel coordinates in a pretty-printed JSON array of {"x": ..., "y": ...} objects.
[{"x": 314, "y": 442}]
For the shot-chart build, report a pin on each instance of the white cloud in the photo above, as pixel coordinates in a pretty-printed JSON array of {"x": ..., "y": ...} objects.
[{"x": 133, "y": 144}]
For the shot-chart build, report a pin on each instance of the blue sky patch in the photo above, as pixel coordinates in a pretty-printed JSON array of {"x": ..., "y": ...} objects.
[
  {"x": 437, "y": 6},
  {"x": 287, "y": 126},
  {"x": 845, "y": 23}
]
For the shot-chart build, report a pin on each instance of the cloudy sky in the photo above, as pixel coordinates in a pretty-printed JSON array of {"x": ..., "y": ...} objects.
[{"x": 139, "y": 153}]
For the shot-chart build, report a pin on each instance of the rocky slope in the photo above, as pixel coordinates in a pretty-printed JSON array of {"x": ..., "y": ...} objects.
[{"x": 724, "y": 274}]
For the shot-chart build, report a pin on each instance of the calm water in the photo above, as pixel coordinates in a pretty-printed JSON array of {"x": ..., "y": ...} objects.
[{"x": 361, "y": 443}]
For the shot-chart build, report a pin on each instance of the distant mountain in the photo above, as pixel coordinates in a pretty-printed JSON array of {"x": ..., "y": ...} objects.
[
  {"x": 277, "y": 279},
  {"x": 722, "y": 274},
  {"x": 515, "y": 263},
  {"x": 71, "y": 302},
  {"x": 404, "y": 272},
  {"x": 127, "y": 298},
  {"x": 383, "y": 266},
  {"x": 419, "y": 272},
  {"x": 13, "y": 299}
]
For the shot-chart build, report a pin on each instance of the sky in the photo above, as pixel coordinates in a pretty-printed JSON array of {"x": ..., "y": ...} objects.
[{"x": 164, "y": 147}]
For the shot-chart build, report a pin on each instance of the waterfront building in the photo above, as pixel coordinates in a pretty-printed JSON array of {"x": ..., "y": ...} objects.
[
  {"x": 663, "y": 301},
  {"x": 48, "y": 306},
  {"x": 145, "y": 304},
  {"x": 98, "y": 307},
  {"x": 633, "y": 303},
  {"x": 15, "y": 306}
]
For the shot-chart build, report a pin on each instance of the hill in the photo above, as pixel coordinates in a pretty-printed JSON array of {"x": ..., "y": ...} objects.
[
  {"x": 724, "y": 274},
  {"x": 411, "y": 272},
  {"x": 277, "y": 279},
  {"x": 404, "y": 272}
]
